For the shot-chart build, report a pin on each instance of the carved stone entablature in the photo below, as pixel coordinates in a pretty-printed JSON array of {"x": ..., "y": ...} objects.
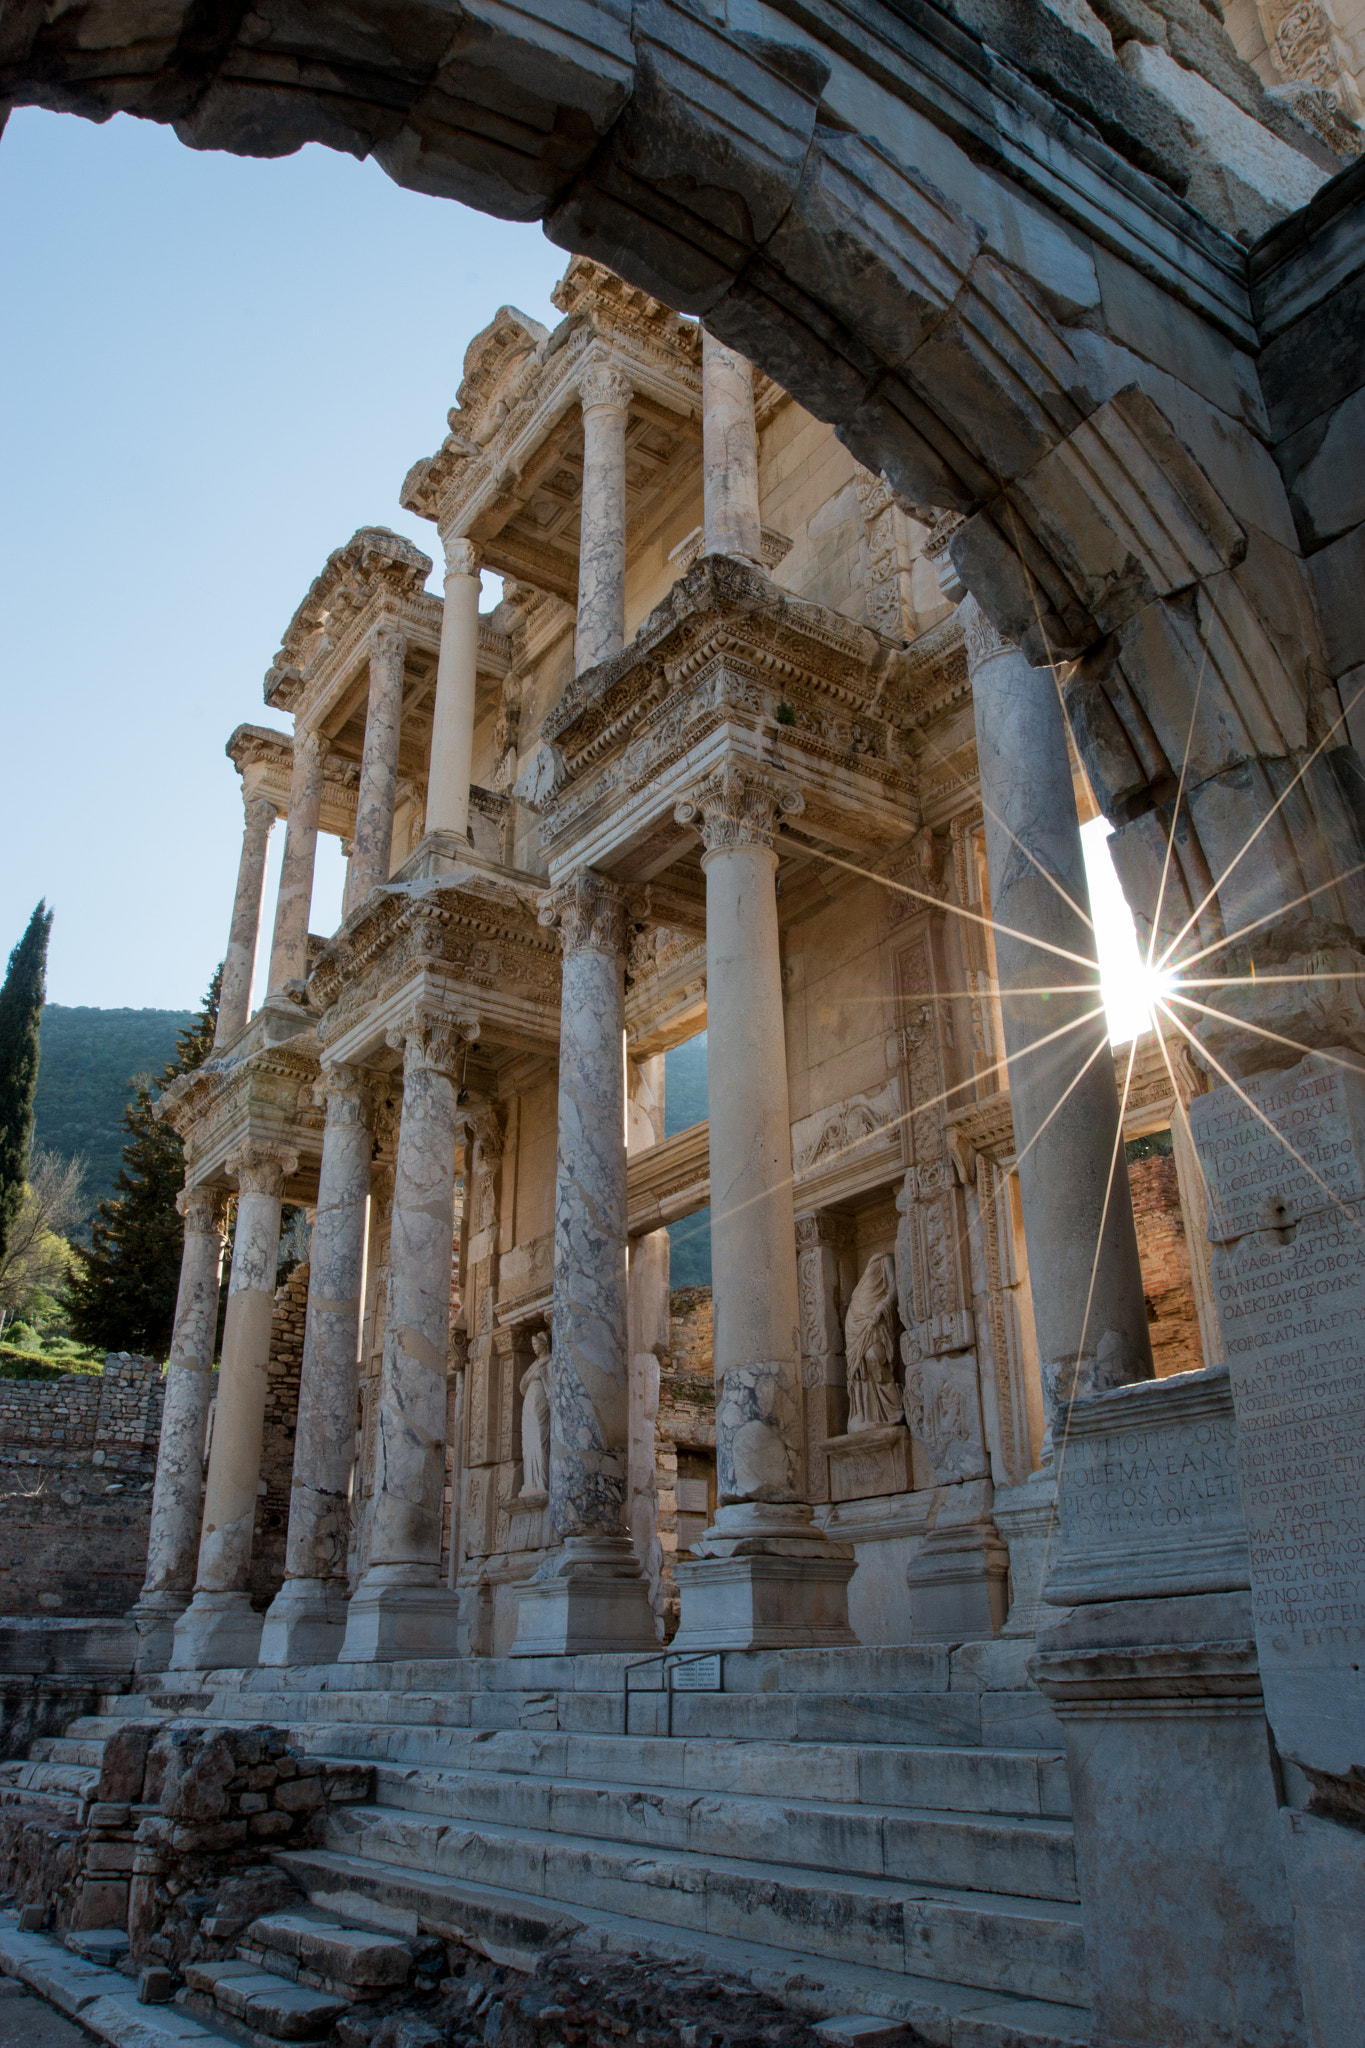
[
  {"x": 265, "y": 762},
  {"x": 728, "y": 667},
  {"x": 472, "y": 935},
  {"x": 511, "y": 463},
  {"x": 375, "y": 566},
  {"x": 266, "y": 1098},
  {"x": 665, "y": 988}
]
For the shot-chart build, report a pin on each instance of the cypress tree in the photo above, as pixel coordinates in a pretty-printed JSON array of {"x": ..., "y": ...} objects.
[
  {"x": 21, "y": 1010},
  {"x": 122, "y": 1295}
]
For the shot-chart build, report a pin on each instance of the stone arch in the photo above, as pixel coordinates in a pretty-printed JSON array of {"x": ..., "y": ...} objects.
[{"x": 1115, "y": 516}]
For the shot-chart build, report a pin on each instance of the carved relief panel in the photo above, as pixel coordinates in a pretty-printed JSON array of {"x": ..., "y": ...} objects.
[{"x": 820, "y": 1239}]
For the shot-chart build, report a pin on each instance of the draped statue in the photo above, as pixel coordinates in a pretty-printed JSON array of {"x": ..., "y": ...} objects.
[
  {"x": 535, "y": 1418},
  {"x": 874, "y": 1399}
]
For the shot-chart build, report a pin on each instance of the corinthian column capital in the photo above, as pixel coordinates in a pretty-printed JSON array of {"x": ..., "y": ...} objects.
[
  {"x": 388, "y": 643},
  {"x": 605, "y": 384},
  {"x": 433, "y": 1042},
  {"x": 262, "y": 1169},
  {"x": 980, "y": 635},
  {"x": 464, "y": 557},
  {"x": 739, "y": 807},
  {"x": 202, "y": 1209},
  {"x": 590, "y": 911},
  {"x": 346, "y": 1095}
]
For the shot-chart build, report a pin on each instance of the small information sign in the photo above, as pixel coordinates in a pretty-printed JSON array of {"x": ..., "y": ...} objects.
[{"x": 696, "y": 1674}]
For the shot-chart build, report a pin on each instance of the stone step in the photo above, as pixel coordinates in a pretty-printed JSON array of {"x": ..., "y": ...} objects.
[
  {"x": 36, "y": 1774},
  {"x": 265, "y": 2002},
  {"x": 1030, "y": 1783},
  {"x": 64, "y": 1749},
  {"x": 998, "y": 1720},
  {"x": 1030, "y": 1947},
  {"x": 309, "y": 1947},
  {"x": 1033, "y": 1859},
  {"x": 515, "y": 1927}
]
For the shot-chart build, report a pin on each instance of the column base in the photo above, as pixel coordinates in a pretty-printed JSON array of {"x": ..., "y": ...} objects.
[
  {"x": 765, "y": 1578},
  {"x": 1026, "y": 1517},
  {"x": 305, "y": 1623},
  {"x": 217, "y": 1632},
  {"x": 959, "y": 1581},
  {"x": 399, "y": 1611},
  {"x": 154, "y": 1618},
  {"x": 588, "y": 1596}
]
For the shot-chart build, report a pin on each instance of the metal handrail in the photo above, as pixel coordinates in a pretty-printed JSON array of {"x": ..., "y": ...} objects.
[{"x": 659, "y": 1657}]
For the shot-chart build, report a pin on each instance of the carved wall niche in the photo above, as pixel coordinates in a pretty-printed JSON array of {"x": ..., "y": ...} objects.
[
  {"x": 822, "y": 1237},
  {"x": 933, "y": 1273}
]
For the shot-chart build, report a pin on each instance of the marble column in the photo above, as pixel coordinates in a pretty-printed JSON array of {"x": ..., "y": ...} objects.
[
  {"x": 234, "y": 999},
  {"x": 606, "y": 393},
  {"x": 1088, "y": 1306},
  {"x": 647, "y": 1320},
  {"x": 764, "y": 1576},
  {"x": 289, "y": 946},
  {"x": 401, "y": 1608},
  {"x": 178, "y": 1493},
  {"x": 219, "y": 1629},
  {"x": 729, "y": 454},
  {"x": 452, "y": 723},
  {"x": 372, "y": 847},
  {"x": 589, "y": 1594},
  {"x": 306, "y": 1622}
]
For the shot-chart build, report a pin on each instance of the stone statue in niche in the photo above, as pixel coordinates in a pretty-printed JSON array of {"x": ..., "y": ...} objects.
[
  {"x": 874, "y": 1399},
  {"x": 535, "y": 1418}
]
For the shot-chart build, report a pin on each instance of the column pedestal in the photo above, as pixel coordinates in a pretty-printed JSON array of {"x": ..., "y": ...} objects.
[{"x": 763, "y": 1576}]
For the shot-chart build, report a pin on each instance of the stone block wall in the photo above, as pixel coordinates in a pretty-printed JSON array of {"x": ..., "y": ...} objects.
[
  {"x": 1167, "y": 1285},
  {"x": 77, "y": 1461},
  {"x": 686, "y": 1424}
]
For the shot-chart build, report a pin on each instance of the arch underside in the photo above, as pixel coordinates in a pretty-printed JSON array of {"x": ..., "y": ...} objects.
[{"x": 940, "y": 259}]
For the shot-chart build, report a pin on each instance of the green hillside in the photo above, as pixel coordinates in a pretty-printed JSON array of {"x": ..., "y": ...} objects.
[{"x": 87, "y": 1063}]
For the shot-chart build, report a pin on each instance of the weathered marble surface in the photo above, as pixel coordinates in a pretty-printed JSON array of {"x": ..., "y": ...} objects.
[
  {"x": 452, "y": 727},
  {"x": 763, "y": 1566},
  {"x": 648, "y": 1325},
  {"x": 218, "y": 1628},
  {"x": 178, "y": 1493},
  {"x": 235, "y": 995},
  {"x": 289, "y": 944},
  {"x": 398, "y": 1608},
  {"x": 591, "y": 1586},
  {"x": 1285, "y": 1165},
  {"x": 372, "y": 847},
  {"x": 729, "y": 454},
  {"x": 1088, "y": 1301},
  {"x": 606, "y": 395},
  {"x": 306, "y": 1620},
  {"x": 870, "y": 1348}
]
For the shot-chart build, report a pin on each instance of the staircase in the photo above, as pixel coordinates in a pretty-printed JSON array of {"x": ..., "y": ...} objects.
[{"x": 865, "y": 1831}]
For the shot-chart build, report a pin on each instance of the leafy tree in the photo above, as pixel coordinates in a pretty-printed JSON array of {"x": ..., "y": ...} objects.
[
  {"x": 36, "y": 1262},
  {"x": 122, "y": 1295},
  {"x": 21, "y": 1009}
]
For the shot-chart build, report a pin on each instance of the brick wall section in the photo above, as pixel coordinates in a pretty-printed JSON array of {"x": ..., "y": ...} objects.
[
  {"x": 277, "y": 1450},
  {"x": 77, "y": 1460},
  {"x": 1165, "y": 1254}
]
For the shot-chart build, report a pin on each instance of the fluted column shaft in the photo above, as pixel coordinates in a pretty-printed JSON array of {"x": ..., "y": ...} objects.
[
  {"x": 372, "y": 848},
  {"x": 178, "y": 1492},
  {"x": 218, "y": 1628},
  {"x": 289, "y": 945},
  {"x": 729, "y": 453},
  {"x": 606, "y": 394},
  {"x": 1088, "y": 1305},
  {"x": 307, "y": 1619},
  {"x": 763, "y": 1575},
  {"x": 400, "y": 1608},
  {"x": 234, "y": 997},
  {"x": 452, "y": 725},
  {"x": 590, "y": 1594}
]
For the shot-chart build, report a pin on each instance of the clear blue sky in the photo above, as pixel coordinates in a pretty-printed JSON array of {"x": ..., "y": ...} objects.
[{"x": 213, "y": 371}]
